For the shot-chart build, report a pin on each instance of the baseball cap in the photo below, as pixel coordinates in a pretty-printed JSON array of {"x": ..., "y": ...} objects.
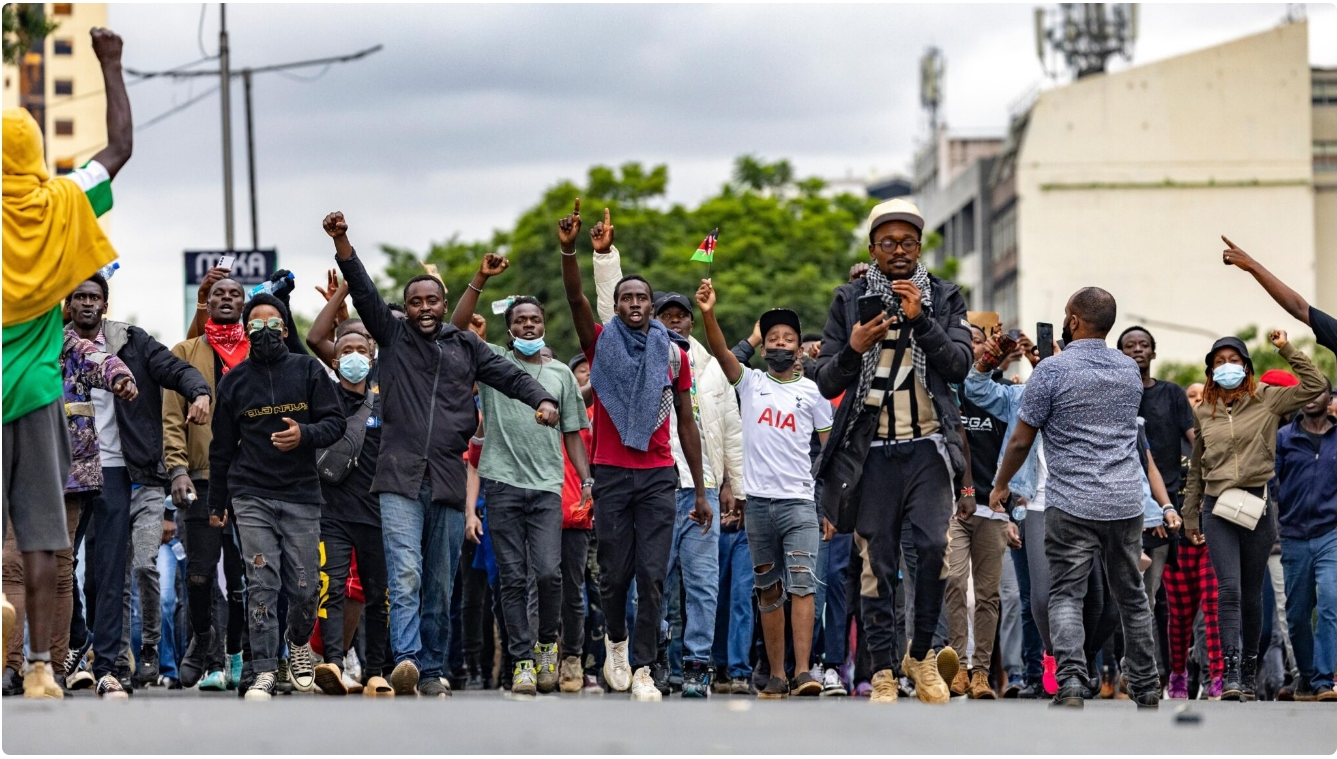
[
  {"x": 779, "y": 316},
  {"x": 896, "y": 209},
  {"x": 575, "y": 361},
  {"x": 674, "y": 299}
]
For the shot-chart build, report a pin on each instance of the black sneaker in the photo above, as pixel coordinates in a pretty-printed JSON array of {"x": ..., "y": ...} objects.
[
  {"x": 806, "y": 685},
  {"x": 13, "y": 684},
  {"x": 1013, "y": 689},
  {"x": 110, "y": 687},
  {"x": 147, "y": 671},
  {"x": 1030, "y": 690},
  {"x": 283, "y": 680},
  {"x": 1147, "y": 699},
  {"x": 432, "y": 687},
  {"x": 475, "y": 680},
  {"x": 262, "y": 689},
  {"x": 776, "y": 687},
  {"x": 195, "y": 662},
  {"x": 659, "y": 671},
  {"x": 695, "y": 680},
  {"x": 1071, "y": 693}
]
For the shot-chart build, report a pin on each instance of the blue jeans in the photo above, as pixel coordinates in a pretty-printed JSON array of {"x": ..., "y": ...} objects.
[
  {"x": 423, "y": 539},
  {"x": 785, "y": 539},
  {"x": 1310, "y": 567},
  {"x": 733, "y": 617},
  {"x": 698, "y": 556},
  {"x": 835, "y": 618},
  {"x": 169, "y": 568}
]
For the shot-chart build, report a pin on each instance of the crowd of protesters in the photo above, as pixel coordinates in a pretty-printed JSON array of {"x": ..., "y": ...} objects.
[{"x": 393, "y": 506}]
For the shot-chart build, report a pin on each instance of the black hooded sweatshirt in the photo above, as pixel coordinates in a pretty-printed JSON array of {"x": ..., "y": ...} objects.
[{"x": 253, "y": 400}]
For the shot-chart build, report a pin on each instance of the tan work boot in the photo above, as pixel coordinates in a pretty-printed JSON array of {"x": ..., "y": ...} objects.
[
  {"x": 979, "y": 686},
  {"x": 960, "y": 683},
  {"x": 40, "y": 683},
  {"x": 884, "y": 688},
  {"x": 929, "y": 685},
  {"x": 330, "y": 680},
  {"x": 573, "y": 677}
]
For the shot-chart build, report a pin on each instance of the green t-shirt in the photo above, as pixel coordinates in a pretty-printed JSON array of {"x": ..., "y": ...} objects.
[
  {"x": 517, "y": 450},
  {"x": 30, "y": 357}
]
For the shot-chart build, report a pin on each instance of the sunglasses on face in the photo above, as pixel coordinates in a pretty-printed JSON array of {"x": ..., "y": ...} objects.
[{"x": 255, "y": 325}]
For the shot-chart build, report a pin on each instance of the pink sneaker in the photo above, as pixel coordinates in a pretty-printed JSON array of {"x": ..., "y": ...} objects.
[
  {"x": 863, "y": 690},
  {"x": 1214, "y": 690},
  {"x": 1050, "y": 678},
  {"x": 1178, "y": 686}
]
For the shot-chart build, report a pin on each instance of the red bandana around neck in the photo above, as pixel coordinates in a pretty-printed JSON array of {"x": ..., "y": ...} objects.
[{"x": 228, "y": 341}]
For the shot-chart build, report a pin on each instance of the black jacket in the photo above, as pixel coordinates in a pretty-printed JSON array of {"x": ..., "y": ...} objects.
[
  {"x": 253, "y": 400},
  {"x": 140, "y": 421},
  {"x": 945, "y": 340},
  {"x": 427, "y": 391}
]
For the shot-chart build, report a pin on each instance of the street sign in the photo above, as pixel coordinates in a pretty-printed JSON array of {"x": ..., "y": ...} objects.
[{"x": 251, "y": 267}]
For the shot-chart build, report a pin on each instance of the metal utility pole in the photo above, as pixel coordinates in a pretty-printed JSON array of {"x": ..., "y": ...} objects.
[
  {"x": 250, "y": 160},
  {"x": 224, "y": 93}
]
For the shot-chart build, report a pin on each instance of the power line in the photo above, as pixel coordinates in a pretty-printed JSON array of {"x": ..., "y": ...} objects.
[
  {"x": 176, "y": 109},
  {"x": 178, "y": 74},
  {"x": 199, "y": 35}
]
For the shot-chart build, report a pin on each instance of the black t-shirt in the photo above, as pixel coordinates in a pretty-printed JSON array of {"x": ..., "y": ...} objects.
[
  {"x": 1325, "y": 328},
  {"x": 985, "y": 433},
  {"x": 1167, "y": 413},
  {"x": 352, "y": 500}
]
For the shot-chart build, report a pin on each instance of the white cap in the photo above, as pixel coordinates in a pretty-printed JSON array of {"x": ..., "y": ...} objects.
[{"x": 895, "y": 209}]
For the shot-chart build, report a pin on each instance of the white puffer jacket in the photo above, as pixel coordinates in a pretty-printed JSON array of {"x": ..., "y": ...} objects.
[{"x": 721, "y": 425}]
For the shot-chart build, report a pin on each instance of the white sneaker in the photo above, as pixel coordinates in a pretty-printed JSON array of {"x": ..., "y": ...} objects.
[
  {"x": 816, "y": 672},
  {"x": 263, "y": 689},
  {"x": 617, "y": 670},
  {"x": 300, "y": 667},
  {"x": 832, "y": 685},
  {"x": 643, "y": 686},
  {"x": 353, "y": 666}
]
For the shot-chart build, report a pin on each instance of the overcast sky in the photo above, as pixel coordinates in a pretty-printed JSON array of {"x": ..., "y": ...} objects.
[{"x": 470, "y": 111}]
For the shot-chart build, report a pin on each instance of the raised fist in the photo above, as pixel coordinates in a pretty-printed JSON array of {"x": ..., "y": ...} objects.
[{"x": 335, "y": 226}]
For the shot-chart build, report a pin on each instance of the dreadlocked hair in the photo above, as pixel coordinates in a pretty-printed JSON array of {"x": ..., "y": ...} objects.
[{"x": 1213, "y": 394}]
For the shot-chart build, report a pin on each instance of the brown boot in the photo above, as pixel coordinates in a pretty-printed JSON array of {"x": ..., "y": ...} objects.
[
  {"x": 961, "y": 683},
  {"x": 979, "y": 686}
]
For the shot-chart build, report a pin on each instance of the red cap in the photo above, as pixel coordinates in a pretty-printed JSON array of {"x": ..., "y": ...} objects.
[{"x": 1279, "y": 378}]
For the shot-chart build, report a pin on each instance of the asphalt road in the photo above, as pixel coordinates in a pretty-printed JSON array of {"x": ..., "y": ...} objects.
[{"x": 189, "y": 722}]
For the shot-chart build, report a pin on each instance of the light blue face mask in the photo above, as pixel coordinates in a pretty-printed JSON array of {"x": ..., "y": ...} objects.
[
  {"x": 1228, "y": 376},
  {"x": 527, "y": 347},
  {"x": 354, "y": 367}
]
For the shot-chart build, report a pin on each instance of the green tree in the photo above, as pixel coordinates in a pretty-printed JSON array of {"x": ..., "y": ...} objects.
[
  {"x": 1262, "y": 353},
  {"x": 773, "y": 251},
  {"x": 24, "y": 24}
]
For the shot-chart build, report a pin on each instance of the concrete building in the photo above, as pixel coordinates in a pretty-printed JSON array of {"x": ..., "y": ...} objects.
[
  {"x": 1127, "y": 181},
  {"x": 60, "y": 82}
]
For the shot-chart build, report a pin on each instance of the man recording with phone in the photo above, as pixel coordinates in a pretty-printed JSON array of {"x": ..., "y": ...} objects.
[{"x": 895, "y": 340}]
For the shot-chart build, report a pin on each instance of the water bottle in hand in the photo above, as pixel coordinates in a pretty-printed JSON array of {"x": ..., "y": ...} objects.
[
  {"x": 280, "y": 282},
  {"x": 110, "y": 269}
]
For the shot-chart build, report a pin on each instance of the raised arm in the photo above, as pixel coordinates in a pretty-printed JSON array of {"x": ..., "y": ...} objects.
[
  {"x": 492, "y": 265},
  {"x": 1293, "y": 302},
  {"x": 214, "y": 276},
  {"x": 719, "y": 348},
  {"x": 607, "y": 273},
  {"x": 382, "y": 324},
  {"x": 581, "y": 314},
  {"x": 321, "y": 337},
  {"x": 1288, "y": 400},
  {"x": 120, "y": 126}
]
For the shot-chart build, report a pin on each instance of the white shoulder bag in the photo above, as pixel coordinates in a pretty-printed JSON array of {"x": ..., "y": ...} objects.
[{"x": 1240, "y": 507}]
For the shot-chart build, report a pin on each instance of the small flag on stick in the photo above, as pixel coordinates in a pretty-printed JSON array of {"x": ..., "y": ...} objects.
[{"x": 707, "y": 250}]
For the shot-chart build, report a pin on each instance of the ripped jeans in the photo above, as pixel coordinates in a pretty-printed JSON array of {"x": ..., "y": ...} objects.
[
  {"x": 783, "y": 536},
  {"x": 280, "y": 547}
]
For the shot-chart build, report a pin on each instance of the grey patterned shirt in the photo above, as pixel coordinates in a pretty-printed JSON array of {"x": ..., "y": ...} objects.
[{"x": 1085, "y": 402}]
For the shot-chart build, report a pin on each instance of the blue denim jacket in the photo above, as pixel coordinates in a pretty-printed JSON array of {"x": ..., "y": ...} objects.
[{"x": 1003, "y": 401}]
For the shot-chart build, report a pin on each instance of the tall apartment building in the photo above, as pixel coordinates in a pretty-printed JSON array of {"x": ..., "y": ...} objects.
[{"x": 60, "y": 82}]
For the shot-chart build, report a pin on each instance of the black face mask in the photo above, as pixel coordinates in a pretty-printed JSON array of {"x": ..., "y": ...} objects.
[
  {"x": 1066, "y": 336},
  {"x": 780, "y": 360},
  {"x": 267, "y": 346}
]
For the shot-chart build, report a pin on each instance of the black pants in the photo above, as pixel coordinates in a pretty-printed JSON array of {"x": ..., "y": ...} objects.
[
  {"x": 526, "y": 527},
  {"x": 476, "y": 618},
  {"x": 1239, "y": 557},
  {"x": 104, "y": 524},
  {"x": 634, "y": 511},
  {"x": 204, "y": 545},
  {"x": 909, "y": 481},
  {"x": 575, "y": 549},
  {"x": 338, "y": 540}
]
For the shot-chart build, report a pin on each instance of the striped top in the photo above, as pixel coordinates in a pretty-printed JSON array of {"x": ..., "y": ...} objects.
[{"x": 907, "y": 411}]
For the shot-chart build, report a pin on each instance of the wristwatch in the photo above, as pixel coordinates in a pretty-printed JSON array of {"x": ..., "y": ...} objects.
[{"x": 588, "y": 482}]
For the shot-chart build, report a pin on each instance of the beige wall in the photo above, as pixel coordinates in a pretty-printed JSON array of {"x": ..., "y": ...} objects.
[{"x": 1126, "y": 181}]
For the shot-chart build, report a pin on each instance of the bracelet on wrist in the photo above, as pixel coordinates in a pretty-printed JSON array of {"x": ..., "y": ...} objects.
[
  {"x": 478, "y": 290},
  {"x": 588, "y": 482},
  {"x": 201, "y": 306},
  {"x": 967, "y": 492}
]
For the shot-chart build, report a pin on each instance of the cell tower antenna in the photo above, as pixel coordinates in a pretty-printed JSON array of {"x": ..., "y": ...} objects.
[{"x": 1083, "y": 37}]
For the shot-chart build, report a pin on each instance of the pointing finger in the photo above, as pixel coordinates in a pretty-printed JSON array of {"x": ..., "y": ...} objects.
[
  {"x": 1227, "y": 241},
  {"x": 607, "y": 218},
  {"x": 577, "y": 209}
]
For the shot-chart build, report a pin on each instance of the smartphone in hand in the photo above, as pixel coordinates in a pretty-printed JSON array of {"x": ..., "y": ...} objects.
[
  {"x": 1044, "y": 340},
  {"x": 870, "y": 306}
]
